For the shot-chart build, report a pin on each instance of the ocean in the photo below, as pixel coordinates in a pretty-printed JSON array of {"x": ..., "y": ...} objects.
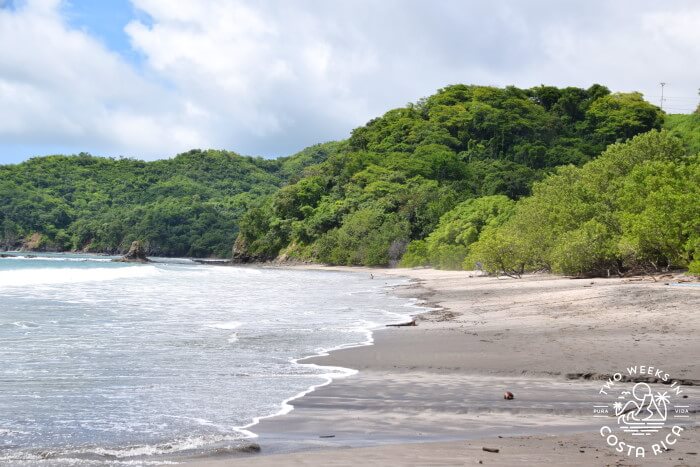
[{"x": 129, "y": 364}]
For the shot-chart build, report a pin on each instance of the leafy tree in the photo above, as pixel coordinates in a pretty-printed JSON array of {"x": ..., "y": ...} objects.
[
  {"x": 635, "y": 208},
  {"x": 368, "y": 237},
  {"x": 687, "y": 128},
  {"x": 617, "y": 117},
  {"x": 448, "y": 245}
]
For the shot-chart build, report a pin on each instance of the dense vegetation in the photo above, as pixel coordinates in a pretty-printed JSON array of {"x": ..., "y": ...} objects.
[
  {"x": 636, "y": 208},
  {"x": 395, "y": 177},
  {"x": 686, "y": 127},
  {"x": 188, "y": 205},
  {"x": 508, "y": 180}
]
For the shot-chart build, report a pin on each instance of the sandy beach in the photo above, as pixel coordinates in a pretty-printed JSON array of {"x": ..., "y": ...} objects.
[{"x": 432, "y": 394}]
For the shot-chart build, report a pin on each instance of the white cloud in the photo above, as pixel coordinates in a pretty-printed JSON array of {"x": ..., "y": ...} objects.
[
  {"x": 277, "y": 77},
  {"x": 271, "y": 77},
  {"x": 62, "y": 87}
]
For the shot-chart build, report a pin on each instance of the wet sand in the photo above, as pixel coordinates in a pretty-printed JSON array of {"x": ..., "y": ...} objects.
[{"x": 431, "y": 394}]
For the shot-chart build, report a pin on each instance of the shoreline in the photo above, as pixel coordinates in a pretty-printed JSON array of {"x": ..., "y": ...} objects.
[
  {"x": 362, "y": 412},
  {"x": 286, "y": 406},
  {"x": 549, "y": 339},
  {"x": 441, "y": 313}
]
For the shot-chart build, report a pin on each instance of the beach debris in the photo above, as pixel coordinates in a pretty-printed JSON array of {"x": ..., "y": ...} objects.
[
  {"x": 327, "y": 436},
  {"x": 398, "y": 325},
  {"x": 496, "y": 450},
  {"x": 508, "y": 395},
  {"x": 136, "y": 254}
]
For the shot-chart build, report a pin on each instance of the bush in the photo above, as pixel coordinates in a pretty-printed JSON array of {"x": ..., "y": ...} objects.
[{"x": 588, "y": 250}]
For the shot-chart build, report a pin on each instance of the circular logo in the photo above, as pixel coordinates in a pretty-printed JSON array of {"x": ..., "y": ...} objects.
[{"x": 648, "y": 417}]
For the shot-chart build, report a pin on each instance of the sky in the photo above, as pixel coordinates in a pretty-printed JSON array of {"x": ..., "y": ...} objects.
[{"x": 153, "y": 78}]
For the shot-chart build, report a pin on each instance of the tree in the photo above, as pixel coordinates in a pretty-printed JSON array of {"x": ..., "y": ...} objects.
[
  {"x": 448, "y": 245},
  {"x": 635, "y": 208}
]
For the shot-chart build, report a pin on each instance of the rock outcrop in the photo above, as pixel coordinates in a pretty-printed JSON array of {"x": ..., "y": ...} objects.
[
  {"x": 136, "y": 254},
  {"x": 239, "y": 251},
  {"x": 32, "y": 242}
]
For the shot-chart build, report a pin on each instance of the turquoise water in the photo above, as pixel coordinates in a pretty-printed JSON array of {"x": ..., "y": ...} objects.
[{"x": 116, "y": 363}]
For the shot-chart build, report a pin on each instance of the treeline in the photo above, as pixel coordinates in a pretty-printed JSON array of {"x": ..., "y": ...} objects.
[
  {"x": 432, "y": 176},
  {"x": 636, "y": 208},
  {"x": 185, "y": 206},
  {"x": 505, "y": 179}
]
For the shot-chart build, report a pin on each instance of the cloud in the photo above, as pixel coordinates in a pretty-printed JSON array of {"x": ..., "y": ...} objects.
[
  {"x": 60, "y": 87},
  {"x": 277, "y": 78},
  {"x": 271, "y": 77}
]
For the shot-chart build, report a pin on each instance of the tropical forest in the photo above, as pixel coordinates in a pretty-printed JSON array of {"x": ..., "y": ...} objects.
[{"x": 573, "y": 181}]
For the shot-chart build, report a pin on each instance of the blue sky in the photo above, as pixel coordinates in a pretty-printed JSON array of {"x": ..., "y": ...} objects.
[
  {"x": 104, "y": 20},
  {"x": 152, "y": 78}
]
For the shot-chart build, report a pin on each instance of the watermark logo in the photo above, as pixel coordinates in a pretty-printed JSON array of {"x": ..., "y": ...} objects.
[{"x": 647, "y": 420}]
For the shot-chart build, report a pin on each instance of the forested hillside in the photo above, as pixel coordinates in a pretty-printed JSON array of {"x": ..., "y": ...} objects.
[
  {"x": 399, "y": 174},
  {"x": 504, "y": 177},
  {"x": 185, "y": 206},
  {"x": 635, "y": 209}
]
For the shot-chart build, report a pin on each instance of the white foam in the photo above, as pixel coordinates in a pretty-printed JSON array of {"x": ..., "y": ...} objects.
[
  {"x": 25, "y": 324},
  {"x": 55, "y": 258},
  {"x": 227, "y": 325},
  {"x": 332, "y": 372},
  {"x": 219, "y": 326},
  {"x": 49, "y": 276}
]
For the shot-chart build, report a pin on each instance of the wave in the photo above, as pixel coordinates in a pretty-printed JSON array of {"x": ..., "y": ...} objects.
[
  {"x": 60, "y": 259},
  {"x": 331, "y": 373},
  {"x": 51, "y": 276},
  {"x": 230, "y": 438},
  {"x": 228, "y": 325},
  {"x": 140, "y": 454}
]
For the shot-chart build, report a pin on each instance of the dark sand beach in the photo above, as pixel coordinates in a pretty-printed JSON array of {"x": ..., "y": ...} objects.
[{"x": 432, "y": 394}]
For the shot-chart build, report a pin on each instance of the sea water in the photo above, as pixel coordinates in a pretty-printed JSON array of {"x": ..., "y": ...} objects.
[{"x": 115, "y": 363}]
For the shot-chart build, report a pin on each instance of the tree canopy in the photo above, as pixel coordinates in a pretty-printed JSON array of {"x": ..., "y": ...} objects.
[
  {"x": 507, "y": 177},
  {"x": 389, "y": 187},
  {"x": 185, "y": 206},
  {"x": 635, "y": 208}
]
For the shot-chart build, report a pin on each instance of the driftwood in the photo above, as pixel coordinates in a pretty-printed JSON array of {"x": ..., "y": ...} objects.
[
  {"x": 398, "y": 325},
  {"x": 490, "y": 449}
]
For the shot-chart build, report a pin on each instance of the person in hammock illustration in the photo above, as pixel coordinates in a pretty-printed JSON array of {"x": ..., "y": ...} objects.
[{"x": 645, "y": 407}]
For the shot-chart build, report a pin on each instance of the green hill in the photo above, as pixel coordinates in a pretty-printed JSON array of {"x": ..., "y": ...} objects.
[
  {"x": 185, "y": 206},
  {"x": 397, "y": 175},
  {"x": 428, "y": 177}
]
